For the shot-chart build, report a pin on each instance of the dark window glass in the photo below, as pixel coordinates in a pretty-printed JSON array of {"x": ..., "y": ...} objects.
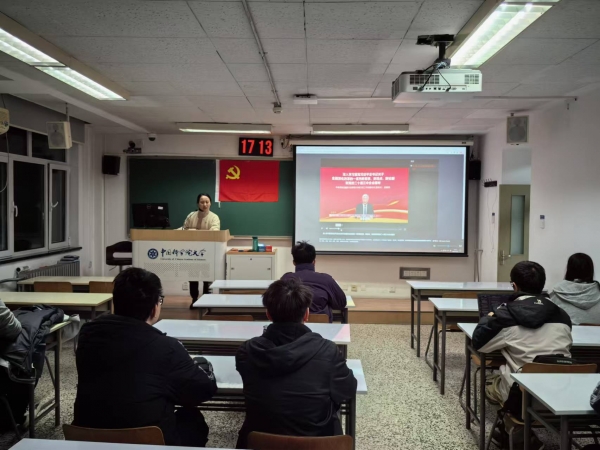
[
  {"x": 3, "y": 207},
  {"x": 29, "y": 194},
  {"x": 14, "y": 140},
  {"x": 59, "y": 206},
  {"x": 39, "y": 149}
]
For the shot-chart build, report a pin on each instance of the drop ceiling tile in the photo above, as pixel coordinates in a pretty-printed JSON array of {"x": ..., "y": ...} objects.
[
  {"x": 210, "y": 103},
  {"x": 431, "y": 112},
  {"x": 284, "y": 51},
  {"x": 482, "y": 114},
  {"x": 340, "y": 73},
  {"x": 148, "y": 87},
  {"x": 420, "y": 122},
  {"x": 140, "y": 50},
  {"x": 492, "y": 89},
  {"x": 104, "y": 18},
  {"x": 514, "y": 105},
  {"x": 383, "y": 89},
  {"x": 174, "y": 114},
  {"x": 278, "y": 20},
  {"x": 345, "y": 104},
  {"x": 234, "y": 116},
  {"x": 351, "y": 51},
  {"x": 442, "y": 17},
  {"x": 540, "y": 51},
  {"x": 225, "y": 88},
  {"x": 263, "y": 89},
  {"x": 502, "y": 73},
  {"x": 155, "y": 101},
  {"x": 289, "y": 116},
  {"x": 216, "y": 71},
  {"x": 280, "y": 72},
  {"x": 567, "y": 19},
  {"x": 346, "y": 115},
  {"x": 475, "y": 103},
  {"x": 567, "y": 72},
  {"x": 544, "y": 89},
  {"x": 411, "y": 56},
  {"x": 477, "y": 124},
  {"x": 396, "y": 115},
  {"x": 332, "y": 91},
  {"x": 588, "y": 57},
  {"x": 223, "y": 19},
  {"x": 364, "y": 20}
]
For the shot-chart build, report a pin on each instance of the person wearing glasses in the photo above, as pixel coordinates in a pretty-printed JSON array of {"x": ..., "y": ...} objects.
[{"x": 132, "y": 375}]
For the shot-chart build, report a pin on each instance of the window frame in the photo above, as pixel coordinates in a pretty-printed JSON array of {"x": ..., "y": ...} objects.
[
  {"x": 29, "y": 160},
  {"x": 9, "y": 211},
  {"x": 51, "y": 167}
]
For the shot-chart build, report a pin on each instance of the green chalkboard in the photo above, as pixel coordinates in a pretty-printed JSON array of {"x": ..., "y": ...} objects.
[{"x": 179, "y": 181}]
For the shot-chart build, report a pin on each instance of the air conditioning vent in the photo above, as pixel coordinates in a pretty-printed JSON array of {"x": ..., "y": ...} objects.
[
  {"x": 422, "y": 78},
  {"x": 472, "y": 79}
]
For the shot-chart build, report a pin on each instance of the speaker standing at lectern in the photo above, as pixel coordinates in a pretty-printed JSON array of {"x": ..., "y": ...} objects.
[{"x": 203, "y": 219}]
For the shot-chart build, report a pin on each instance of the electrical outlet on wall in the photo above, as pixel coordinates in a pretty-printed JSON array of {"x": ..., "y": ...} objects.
[
  {"x": 354, "y": 288},
  {"x": 185, "y": 286},
  {"x": 90, "y": 265}
]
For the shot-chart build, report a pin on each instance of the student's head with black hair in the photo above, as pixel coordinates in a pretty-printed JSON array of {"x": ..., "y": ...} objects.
[
  {"x": 137, "y": 294},
  {"x": 204, "y": 201},
  {"x": 580, "y": 268},
  {"x": 303, "y": 253},
  {"x": 288, "y": 301},
  {"x": 528, "y": 277}
]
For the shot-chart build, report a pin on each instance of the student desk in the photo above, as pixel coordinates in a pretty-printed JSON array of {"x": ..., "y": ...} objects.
[
  {"x": 239, "y": 303},
  {"x": 223, "y": 337},
  {"x": 67, "y": 301},
  {"x": 230, "y": 395},
  {"x": 44, "y": 444},
  {"x": 80, "y": 283},
  {"x": 240, "y": 285},
  {"x": 565, "y": 396},
  {"x": 586, "y": 348},
  {"x": 427, "y": 288},
  {"x": 448, "y": 311}
]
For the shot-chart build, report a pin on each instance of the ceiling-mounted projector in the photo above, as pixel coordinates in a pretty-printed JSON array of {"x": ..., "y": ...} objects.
[{"x": 441, "y": 84}]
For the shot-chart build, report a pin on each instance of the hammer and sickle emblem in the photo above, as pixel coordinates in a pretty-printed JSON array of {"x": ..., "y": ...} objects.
[{"x": 233, "y": 173}]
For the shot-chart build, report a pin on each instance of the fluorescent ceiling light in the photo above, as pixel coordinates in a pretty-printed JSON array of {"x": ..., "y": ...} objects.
[
  {"x": 21, "y": 50},
  {"x": 502, "y": 25},
  {"x": 232, "y": 128},
  {"x": 360, "y": 129},
  {"x": 81, "y": 82},
  {"x": 20, "y": 43}
]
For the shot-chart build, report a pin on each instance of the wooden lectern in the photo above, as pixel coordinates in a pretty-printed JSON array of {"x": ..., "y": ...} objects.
[{"x": 181, "y": 255}]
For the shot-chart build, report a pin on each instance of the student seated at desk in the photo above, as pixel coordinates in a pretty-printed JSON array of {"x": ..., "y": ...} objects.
[
  {"x": 578, "y": 294},
  {"x": 527, "y": 327},
  {"x": 132, "y": 375},
  {"x": 16, "y": 394},
  {"x": 294, "y": 380},
  {"x": 327, "y": 294}
]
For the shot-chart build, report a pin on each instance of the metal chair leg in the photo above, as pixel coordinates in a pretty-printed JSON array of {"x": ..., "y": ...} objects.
[
  {"x": 496, "y": 424},
  {"x": 4, "y": 401},
  {"x": 50, "y": 370}
]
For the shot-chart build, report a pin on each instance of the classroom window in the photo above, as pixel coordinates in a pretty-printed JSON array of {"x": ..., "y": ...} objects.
[
  {"x": 59, "y": 177},
  {"x": 40, "y": 149},
  {"x": 30, "y": 206},
  {"x": 14, "y": 141},
  {"x": 3, "y": 207}
]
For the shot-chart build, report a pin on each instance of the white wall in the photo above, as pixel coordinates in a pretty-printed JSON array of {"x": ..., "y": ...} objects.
[
  {"x": 565, "y": 185},
  {"x": 344, "y": 268},
  {"x": 516, "y": 165}
]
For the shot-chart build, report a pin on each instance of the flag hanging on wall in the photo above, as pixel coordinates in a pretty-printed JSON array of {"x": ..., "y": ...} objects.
[{"x": 247, "y": 181}]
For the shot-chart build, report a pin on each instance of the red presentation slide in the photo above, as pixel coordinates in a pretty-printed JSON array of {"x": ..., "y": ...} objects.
[{"x": 350, "y": 194}]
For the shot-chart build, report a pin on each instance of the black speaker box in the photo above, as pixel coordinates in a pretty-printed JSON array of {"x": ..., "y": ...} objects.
[
  {"x": 475, "y": 170},
  {"x": 111, "y": 165}
]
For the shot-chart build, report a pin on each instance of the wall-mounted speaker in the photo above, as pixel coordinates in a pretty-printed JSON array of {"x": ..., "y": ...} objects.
[
  {"x": 474, "y": 169},
  {"x": 517, "y": 130},
  {"x": 111, "y": 165},
  {"x": 59, "y": 135}
]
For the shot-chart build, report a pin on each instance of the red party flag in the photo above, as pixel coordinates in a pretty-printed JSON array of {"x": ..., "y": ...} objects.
[{"x": 248, "y": 181}]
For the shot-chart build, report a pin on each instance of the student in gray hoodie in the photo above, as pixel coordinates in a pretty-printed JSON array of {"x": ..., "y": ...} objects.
[{"x": 578, "y": 294}]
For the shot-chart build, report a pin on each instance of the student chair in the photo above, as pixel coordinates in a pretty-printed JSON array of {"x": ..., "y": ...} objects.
[
  {"x": 537, "y": 368},
  {"x": 52, "y": 286},
  {"x": 318, "y": 318},
  {"x": 265, "y": 441},
  {"x": 101, "y": 287},
  {"x": 140, "y": 436}
]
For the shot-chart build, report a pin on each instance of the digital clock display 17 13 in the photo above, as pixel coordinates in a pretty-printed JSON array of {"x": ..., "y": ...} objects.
[{"x": 255, "y": 147}]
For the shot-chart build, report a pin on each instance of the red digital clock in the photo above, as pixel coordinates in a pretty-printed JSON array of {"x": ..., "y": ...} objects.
[{"x": 255, "y": 147}]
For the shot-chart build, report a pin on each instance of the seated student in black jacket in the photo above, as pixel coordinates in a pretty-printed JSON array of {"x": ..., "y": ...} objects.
[
  {"x": 132, "y": 375},
  {"x": 294, "y": 380}
]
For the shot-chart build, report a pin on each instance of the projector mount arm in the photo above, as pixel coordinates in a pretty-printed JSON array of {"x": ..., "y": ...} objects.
[{"x": 442, "y": 42}]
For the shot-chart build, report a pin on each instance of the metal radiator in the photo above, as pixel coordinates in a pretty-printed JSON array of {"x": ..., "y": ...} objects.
[{"x": 71, "y": 269}]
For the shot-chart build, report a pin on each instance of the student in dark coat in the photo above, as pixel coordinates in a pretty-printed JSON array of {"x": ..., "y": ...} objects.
[
  {"x": 294, "y": 380},
  {"x": 132, "y": 375},
  {"x": 327, "y": 294}
]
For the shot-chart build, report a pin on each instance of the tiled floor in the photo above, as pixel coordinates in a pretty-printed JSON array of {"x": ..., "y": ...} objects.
[{"x": 403, "y": 409}]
